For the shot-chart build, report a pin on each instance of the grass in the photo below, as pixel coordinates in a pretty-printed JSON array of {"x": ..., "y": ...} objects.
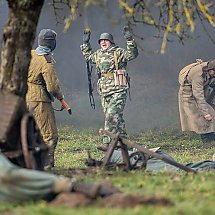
[{"x": 190, "y": 194}]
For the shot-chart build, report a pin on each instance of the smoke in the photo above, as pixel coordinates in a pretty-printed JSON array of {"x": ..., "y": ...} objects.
[{"x": 154, "y": 83}]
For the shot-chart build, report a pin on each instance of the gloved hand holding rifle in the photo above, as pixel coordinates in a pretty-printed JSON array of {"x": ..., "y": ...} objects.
[
  {"x": 86, "y": 39},
  {"x": 64, "y": 105},
  {"x": 128, "y": 36},
  {"x": 86, "y": 36}
]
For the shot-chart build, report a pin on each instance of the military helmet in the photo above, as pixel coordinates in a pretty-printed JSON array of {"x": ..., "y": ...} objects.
[
  {"x": 211, "y": 65},
  {"x": 106, "y": 36},
  {"x": 47, "y": 38}
]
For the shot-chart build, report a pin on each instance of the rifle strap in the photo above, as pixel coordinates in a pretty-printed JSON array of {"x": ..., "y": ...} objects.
[
  {"x": 48, "y": 58},
  {"x": 43, "y": 83},
  {"x": 115, "y": 61},
  {"x": 127, "y": 76}
]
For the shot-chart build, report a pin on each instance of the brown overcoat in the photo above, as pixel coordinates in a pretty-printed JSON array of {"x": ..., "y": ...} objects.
[
  {"x": 41, "y": 66},
  {"x": 191, "y": 98},
  {"x": 38, "y": 101}
]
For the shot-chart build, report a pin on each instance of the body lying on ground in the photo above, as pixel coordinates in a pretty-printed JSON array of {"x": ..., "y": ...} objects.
[
  {"x": 154, "y": 164},
  {"x": 19, "y": 185}
]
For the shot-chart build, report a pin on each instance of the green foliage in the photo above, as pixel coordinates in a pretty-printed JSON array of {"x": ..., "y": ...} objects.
[{"x": 190, "y": 194}]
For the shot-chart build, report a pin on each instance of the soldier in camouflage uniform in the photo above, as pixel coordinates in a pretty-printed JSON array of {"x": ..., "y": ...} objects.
[
  {"x": 111, "y": 62},
  {"x": 42, "y": 85}
]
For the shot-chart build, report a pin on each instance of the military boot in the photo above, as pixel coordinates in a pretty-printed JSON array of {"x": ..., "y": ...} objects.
[
  {"x": 103, "y": 147},
  {"x": 208, "y": 137},
  {"x": 49, "y": 164}
]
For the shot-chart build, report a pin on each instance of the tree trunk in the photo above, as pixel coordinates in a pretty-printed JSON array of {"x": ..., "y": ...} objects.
[{"x": 18, "y": 37}]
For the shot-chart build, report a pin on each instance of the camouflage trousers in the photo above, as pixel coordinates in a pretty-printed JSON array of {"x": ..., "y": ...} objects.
[
  {"x": 43, "y": 113},
  {"x": 113, "y": 106}
]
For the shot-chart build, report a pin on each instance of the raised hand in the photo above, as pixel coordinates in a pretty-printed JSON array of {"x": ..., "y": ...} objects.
[
  {"x": 127, "y": 33},
  {"x": 86, "y": 35}
]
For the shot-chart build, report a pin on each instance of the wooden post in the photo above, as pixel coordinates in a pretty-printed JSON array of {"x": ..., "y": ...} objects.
[{"x": 110, "y": 150}]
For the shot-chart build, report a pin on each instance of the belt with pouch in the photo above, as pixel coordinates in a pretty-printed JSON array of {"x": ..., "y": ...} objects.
[{"x": 107, "y": 75}]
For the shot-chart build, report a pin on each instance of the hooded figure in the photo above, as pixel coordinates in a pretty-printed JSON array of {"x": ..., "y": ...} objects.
[
  {"x": 196, "y": 82},
  {"x": 43, "y": 85},
  {"x": 111, "y": 62}
]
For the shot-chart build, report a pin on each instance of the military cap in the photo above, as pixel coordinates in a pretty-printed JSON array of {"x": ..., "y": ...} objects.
[
  {"x": 47, "y": 38},
  {"x": 210, "y": 66}
]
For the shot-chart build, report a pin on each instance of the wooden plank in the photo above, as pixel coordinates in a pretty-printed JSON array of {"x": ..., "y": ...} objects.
[
  {"x": 148, "y": 152},
  {"x": 110, "y": 150},
  {"x": 125, "y": 155}
]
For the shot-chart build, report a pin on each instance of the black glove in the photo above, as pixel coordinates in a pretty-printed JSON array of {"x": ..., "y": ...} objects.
[
  {"x": 127, "y": 33},
  {"x": 212, "y": 84},
  {"x": 86, "y": 36}
]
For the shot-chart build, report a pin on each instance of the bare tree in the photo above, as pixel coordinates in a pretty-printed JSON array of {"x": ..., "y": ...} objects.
[
  {"x": 170, "y": 16},
  {"x": 175, "y": 17},
  {"x": 18, "y": 37}
]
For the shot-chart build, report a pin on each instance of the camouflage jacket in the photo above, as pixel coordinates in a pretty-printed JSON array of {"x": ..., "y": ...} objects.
[
  {"x": 41, "y": 68},
  {"x": 104, "y": 60}
]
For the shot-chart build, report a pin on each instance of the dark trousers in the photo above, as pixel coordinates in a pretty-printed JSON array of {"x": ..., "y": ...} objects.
[{"x": 208, "y": 137}]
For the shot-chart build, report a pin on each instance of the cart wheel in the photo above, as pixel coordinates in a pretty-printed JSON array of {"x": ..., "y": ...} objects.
[{"x": 34, "y": 149}]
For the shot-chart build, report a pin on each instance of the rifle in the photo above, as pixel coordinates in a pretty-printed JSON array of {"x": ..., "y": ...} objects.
[
  {"x": 90, "y": 86},
  {"x": 64, "y": 105},
  {"x": 51, "y": 97},
  {"x": 128, "y": 79}
]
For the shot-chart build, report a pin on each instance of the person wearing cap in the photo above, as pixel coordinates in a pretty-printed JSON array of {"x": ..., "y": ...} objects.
[
  {"x": 43, "y": 85},
  {"x": 196, "y": 86},
  {"x": 111, "y": 62}
]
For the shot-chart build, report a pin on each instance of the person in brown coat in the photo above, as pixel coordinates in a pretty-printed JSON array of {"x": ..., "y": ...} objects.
[
  {"x": 196, "y": 84},
  {"x": 43, "y": 85}
]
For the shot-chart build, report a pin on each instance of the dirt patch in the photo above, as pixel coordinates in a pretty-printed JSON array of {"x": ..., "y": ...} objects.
[
  {"x": 71, "y": 200},
  {"x": 75, "y": 171},
  {"x": 7, "y": 213},
  {"x": 88, "y": 171},
  {"x": 118, "y": 200},
  {"x": 125, "y": 200}
]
